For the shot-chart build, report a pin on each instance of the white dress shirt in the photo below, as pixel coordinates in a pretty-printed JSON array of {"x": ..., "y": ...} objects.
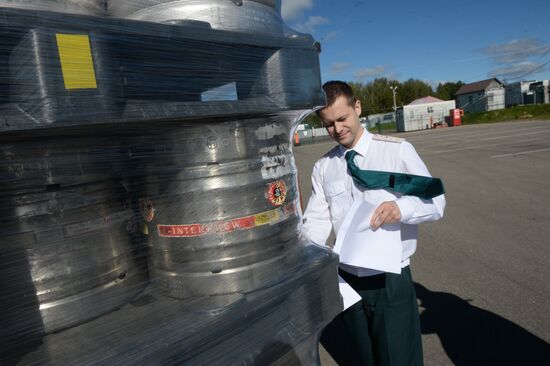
[{"x": 333, "y": 192}]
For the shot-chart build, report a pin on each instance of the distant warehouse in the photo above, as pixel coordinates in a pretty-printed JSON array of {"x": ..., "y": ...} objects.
[
  {"x": 481, "y": 96},
  {"x": 380, "y": 118},
  {"x": 527, "y": 92},
  {"x": 423, "y": 113}
]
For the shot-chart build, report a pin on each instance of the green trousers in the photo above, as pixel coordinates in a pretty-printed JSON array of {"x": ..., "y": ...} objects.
[{"x": 383, "y": 328}]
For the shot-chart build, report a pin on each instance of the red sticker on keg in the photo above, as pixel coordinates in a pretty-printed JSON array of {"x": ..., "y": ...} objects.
[
  {"x": 276, "y": 193},
  {"x": 236, "y": 224},
  {"x": 147, "y": 209},
  {"x": 182, "y": 230},
  {"x": 221, "y": 227}
]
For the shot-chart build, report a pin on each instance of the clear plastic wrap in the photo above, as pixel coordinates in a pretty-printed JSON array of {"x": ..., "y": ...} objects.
[{"x": 148, "y": 194}]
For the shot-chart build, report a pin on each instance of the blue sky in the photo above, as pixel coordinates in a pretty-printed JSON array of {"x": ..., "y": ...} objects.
[{"x": 432, "y": 40}]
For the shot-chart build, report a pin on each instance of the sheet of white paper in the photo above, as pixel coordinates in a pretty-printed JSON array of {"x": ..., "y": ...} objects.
[
  {"x": 358, "y": 245},
  {"x": 348, "y": 293}
]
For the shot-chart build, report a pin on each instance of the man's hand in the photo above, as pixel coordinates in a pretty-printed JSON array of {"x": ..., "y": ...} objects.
[{"x": 387, "y": 213}]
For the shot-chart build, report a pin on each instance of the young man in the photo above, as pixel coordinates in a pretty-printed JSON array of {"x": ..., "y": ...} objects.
[{"x": 383, "y": 328}]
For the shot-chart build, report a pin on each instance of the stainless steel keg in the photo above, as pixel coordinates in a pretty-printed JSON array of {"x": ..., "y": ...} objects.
[
  {"x": 70, "y": 253},
  {"x": 252, "y": 16},
  {"x": 34, "y": 162},
  {"x": 219, "y": 200},
  {"x": 86, "y": 7}
]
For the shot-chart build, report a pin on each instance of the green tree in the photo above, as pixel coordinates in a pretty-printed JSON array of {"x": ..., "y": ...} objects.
[
  {"x": 313, "y": 120},
  {"x": 447, "y": 91},
  {"x": 413, "y": 89},
  {"x": 377, "y": 97}
]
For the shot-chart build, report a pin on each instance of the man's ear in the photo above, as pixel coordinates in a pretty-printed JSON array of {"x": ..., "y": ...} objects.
[{"x": 358, "y": 107}]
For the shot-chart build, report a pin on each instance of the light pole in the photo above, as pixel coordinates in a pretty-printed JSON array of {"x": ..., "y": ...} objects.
[{"x": 393, "y": 89}]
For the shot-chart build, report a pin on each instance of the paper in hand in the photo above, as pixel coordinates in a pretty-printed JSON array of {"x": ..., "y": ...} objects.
[{"x": 358, "y": 245}]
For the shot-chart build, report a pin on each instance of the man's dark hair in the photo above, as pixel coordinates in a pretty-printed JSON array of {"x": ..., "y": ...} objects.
[{"x": 334, "y": 89}]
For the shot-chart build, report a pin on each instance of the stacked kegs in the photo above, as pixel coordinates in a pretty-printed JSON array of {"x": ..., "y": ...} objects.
[
  {"x": 148, "y": 191},
  {"x": 66, "y": 250},
  {"x": 138, "y": 144}
]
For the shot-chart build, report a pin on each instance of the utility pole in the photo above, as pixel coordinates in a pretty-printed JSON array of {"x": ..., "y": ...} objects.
[{"x": 393, "y": 89}]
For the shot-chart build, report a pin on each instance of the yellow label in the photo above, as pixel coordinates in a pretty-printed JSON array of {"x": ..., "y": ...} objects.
[
  {"x": 77, "y": 66},
  {"x": 266, "y": 217}
]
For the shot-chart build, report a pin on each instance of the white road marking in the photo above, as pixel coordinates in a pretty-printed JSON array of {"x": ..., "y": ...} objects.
[
  {"x": 512, "y": 136},
  {"x": 519, "y": 153},
  {"x": 460, "y": 139},
  {"x": 473, "y": 147}
]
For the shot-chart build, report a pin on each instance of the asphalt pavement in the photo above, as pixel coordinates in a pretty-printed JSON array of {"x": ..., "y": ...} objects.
[{"x": 482, "y": 273}]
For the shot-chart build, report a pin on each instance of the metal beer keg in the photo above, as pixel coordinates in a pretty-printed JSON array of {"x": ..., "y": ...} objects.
[
  {"x": 33, "y": 162},
  {"x": 219, "y": 200},
  {"x": 254, "y": 16},
  {"x": 85, "y": 7},
  {"x": 70, "y": 253}
]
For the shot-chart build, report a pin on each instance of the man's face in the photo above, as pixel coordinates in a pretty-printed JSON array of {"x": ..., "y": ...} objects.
[{"x": 342, "y": 121}]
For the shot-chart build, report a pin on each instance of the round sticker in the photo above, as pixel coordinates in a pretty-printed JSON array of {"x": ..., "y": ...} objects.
[
  {"x": 276, "y": 193},
  {"x": 147, "y": 209}
]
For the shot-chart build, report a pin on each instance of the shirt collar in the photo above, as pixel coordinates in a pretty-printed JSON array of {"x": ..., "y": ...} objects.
[{"x": 362, "y": 145}]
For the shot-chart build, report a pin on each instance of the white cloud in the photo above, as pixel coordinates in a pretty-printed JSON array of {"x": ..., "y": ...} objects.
[
  {"x": 339, "y": 67},
  {"x": 366, "y": 73},
  {"x": 331, "y": 36},
  {"x": 517, "y": 70},
  {"x": 518, "y": 58},
  {"x": 311, "y": 24},
  {"x": 290, "y": 9},
  {"x": 516, "y": 51}
]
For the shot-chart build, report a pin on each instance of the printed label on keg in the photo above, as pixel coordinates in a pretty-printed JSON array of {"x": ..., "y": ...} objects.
[
  {"x": 276, "y": 193},
  {"x": 232, "y": 225},
  {"x": 182, "y": 230},
  {"x": 267, "y": 217},
  {"x": 221, "y": 227},
  {"x": 84, "y": 227},
  {"x": 274, "y": 149},
  {"x": 275, "y": 166}
]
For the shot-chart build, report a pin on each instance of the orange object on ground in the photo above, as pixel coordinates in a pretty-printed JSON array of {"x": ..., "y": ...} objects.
[{"x": 296, "y": 139}]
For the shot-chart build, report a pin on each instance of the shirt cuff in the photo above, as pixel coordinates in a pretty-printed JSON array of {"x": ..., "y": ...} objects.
[{"x": 406, "y": 206}]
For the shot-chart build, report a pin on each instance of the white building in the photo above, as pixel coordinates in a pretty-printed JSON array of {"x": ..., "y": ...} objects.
[
  {"x": 423, "y": 113},
  {"x": 540, "y": 92},
  {"x": 527, "y": 92},
  {"x": 481, "y": 96}
]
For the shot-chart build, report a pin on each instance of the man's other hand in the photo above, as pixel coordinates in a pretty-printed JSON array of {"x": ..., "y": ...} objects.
[{"x": 387, "y": 213}]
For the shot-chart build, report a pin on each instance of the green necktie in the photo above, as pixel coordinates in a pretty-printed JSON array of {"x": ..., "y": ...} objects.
[{"x": 409, "y": 184}]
